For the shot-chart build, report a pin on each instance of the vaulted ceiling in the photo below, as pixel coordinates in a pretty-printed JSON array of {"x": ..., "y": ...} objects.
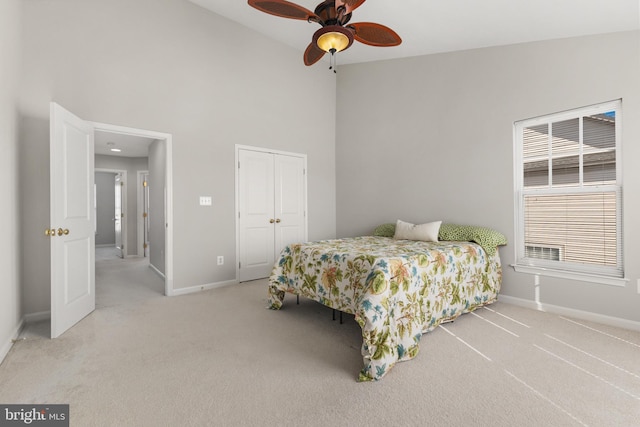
[{"x": 430, "y": 26}]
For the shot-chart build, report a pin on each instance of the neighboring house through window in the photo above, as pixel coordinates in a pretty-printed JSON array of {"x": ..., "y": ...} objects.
[{"x": 569, "y": 194}]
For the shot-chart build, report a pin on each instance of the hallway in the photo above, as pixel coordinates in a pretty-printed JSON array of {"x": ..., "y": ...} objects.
[{"x": 127, "y": 281}]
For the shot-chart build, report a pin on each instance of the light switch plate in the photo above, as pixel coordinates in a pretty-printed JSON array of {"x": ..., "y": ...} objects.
[{"x": 206, "y": 201}]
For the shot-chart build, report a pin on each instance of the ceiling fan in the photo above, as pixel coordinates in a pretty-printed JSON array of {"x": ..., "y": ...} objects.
[{"x": 337, "y": 33}]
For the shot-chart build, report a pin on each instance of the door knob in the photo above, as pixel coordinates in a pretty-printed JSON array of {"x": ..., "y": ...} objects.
[
  {"x": 61, "y": 231},
  {"x": 51, "y": 232},
  {"x": 278, "y": 220},
  {"x": 271, "y": 221}
]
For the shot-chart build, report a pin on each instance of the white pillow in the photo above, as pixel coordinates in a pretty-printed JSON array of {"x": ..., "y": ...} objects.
[{"x": 426, "y": 232}]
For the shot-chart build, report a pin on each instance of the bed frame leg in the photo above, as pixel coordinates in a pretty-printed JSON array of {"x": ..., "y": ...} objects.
[
  {"x": 334, "y": 314},
  {"x": 341, "y": 318},
  {"x": 298, "y": 299}
]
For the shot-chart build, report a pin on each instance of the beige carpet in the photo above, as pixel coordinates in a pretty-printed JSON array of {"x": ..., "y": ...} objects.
[{"x": 220, "y": 358}]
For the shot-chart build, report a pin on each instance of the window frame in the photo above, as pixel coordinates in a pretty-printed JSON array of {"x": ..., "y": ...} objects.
[{"x": 562, "y": 269}]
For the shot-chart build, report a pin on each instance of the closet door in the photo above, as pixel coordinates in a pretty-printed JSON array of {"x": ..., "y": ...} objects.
[
  {"x": 256, "y": 214},
  {"x": 289, "y": 201},
  {"x": 271, "y": 203}
]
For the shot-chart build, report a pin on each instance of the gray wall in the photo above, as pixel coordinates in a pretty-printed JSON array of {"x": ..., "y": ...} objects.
[
  {"x": 105, "y": 208},
  {"x": 132, "y": 165},
  {"x": 171, "y": 66},
  {"x": 10, "y": 293},
  {"x": 431, "y": 138},
  {"x": 157, "y": 189}
]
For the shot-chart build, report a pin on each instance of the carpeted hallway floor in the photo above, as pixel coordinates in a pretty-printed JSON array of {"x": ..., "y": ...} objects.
[{"x": 220, "y": 358}]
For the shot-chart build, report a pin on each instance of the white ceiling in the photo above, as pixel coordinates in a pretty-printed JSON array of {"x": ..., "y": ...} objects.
[
  {"x": 131, "y": 146},
  {"x": 433, "y": 26}
]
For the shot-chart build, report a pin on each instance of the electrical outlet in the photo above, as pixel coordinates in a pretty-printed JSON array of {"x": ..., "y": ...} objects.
[
  {"x": 206, "y": 201},
  {"x": 220, "y": 260}
]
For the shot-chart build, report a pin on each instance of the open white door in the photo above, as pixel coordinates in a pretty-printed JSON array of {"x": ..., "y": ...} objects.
[
  {"x": 145, "y": 214},
  {"x": 118, "y": 214},
  {"x": 71, "y": 229}
]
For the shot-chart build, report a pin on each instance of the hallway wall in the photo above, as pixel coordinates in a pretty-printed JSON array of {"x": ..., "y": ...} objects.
[
  {"x": 157, "y": 191},
  {"x": 10, "y": 292}
]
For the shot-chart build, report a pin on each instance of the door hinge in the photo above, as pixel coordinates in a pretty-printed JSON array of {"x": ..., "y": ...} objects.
[
  {"x": 238, "y": 165},
  {"x": 121, "y": 184},
  {"x": 144, "y": 215},
  {"x": 240, "y": 265},
  {"x": 145, "y": 246},
  {"x": 122, "y": 215},
  {"x": 144, "y": 183}
]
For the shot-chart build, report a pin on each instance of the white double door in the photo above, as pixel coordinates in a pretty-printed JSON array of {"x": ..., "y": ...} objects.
[{"x": 271, "y": 208}]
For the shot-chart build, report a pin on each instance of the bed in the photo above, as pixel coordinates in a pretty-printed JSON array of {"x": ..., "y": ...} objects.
[{"x": 397, "y": 289}]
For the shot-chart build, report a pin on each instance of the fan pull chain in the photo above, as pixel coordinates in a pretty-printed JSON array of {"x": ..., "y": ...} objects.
[{"x": 332, "y": 61}]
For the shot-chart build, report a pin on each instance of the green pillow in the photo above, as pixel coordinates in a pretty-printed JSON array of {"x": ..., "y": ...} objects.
[
  {"x": 385, "y": 230},
  {"x": 486, "y": 237}
]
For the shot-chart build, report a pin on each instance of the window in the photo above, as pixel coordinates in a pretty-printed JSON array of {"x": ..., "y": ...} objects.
[{"x": 568, "y": 192}]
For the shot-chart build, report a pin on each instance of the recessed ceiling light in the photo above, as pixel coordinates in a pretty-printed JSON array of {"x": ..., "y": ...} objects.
[{"x": 117, "y": 150}]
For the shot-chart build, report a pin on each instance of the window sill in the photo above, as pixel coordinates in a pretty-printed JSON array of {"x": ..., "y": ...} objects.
[{"x": 571, "y": 275}]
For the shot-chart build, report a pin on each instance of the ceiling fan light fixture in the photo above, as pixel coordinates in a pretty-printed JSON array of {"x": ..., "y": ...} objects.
[{"x": 333, "y": 38}]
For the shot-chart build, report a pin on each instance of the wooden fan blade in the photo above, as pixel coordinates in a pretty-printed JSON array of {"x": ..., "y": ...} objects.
[
  {"x": 284, "y": 9},
  {"x": 350, "y": 5},
  {"x": 313, "y": 54},
  {"x": 374, "y": 34}
]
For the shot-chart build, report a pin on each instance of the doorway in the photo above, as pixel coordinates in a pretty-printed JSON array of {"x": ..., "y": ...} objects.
[
  {"x": 124, "y": 272},
  {"x": 143, "y": 213},
  {"x": 110, "y": 206},
  {"x": 72, "y": 229},
  {"x": 147, "y": 159}
]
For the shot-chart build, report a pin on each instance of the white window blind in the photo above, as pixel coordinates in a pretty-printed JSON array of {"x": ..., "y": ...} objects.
[{"x": 568, "y": 191}]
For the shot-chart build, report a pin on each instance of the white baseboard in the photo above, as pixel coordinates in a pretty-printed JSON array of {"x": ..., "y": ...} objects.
[
  {"x": 158, "y": 272},
  {"x": 577, "y": 314},
  {"x": 8, "y": 341},
  {"x": 208, "y": 286},
  {"x": 37, "y": 317}
]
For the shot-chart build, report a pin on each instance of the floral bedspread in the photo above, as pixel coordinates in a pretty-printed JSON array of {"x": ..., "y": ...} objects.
[{"x": 397, "y": 289}]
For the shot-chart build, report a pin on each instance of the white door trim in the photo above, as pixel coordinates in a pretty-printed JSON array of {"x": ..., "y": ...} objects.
[
  {"x": 237, "y": 193},
  {"x": 124, "y": 201},
  {"x": 168, "y": 240}
]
